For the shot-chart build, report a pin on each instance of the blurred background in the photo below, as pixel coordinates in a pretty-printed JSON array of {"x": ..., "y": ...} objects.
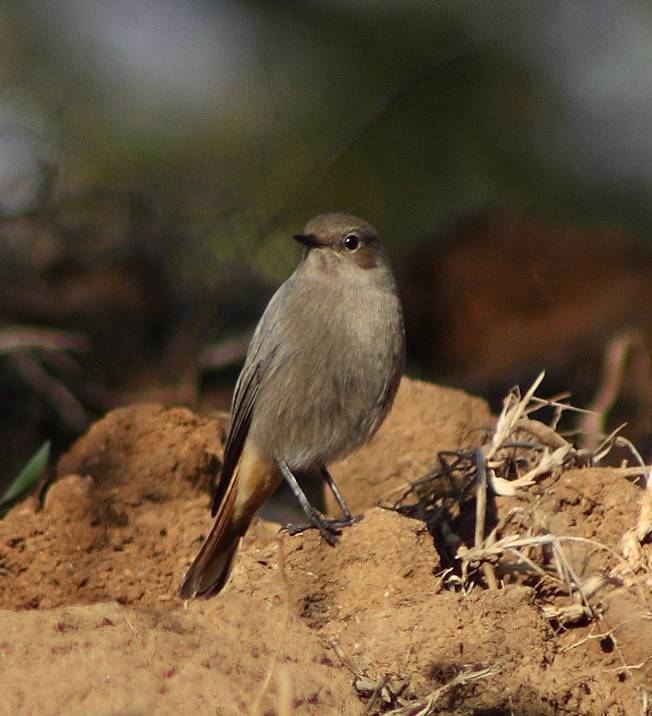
[{"x": 156, "y": 156}]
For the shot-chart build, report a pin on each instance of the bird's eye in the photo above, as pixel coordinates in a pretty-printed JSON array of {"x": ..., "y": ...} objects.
[{"x": 351, "y": 242}]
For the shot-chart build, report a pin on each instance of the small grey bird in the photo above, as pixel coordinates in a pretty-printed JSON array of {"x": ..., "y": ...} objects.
[{"x": 320, "y": 376}]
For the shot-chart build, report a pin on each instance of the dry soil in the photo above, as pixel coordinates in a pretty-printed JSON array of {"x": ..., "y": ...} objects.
[{"x": 91, "y": 622}]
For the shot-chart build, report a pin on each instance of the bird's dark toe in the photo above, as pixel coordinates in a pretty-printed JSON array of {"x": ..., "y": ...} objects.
[{"x": 330, "y": 529}]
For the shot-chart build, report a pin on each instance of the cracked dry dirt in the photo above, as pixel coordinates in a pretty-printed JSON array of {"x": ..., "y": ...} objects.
[{"x": 91, "y": 624}]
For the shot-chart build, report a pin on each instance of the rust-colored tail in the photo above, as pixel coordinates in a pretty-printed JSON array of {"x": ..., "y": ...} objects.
[
  {"x": 252, "y": 482},
  {"x": 210, "y": 571}
]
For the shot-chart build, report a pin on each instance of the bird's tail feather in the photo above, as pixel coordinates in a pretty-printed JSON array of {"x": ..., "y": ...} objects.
[{"x": 210, "y": 571}]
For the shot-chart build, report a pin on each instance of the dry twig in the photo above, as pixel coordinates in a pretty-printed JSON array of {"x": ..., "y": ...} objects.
[
  {"x": 427, "y": 705},
  {"x": 517, "y": 454}
]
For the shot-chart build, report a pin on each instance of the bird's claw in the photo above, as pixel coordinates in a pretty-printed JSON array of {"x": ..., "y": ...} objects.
[{"x": 329, "y": 528}]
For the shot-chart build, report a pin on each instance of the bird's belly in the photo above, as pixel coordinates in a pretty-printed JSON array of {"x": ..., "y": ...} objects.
[{"x": 321, "y": 413}]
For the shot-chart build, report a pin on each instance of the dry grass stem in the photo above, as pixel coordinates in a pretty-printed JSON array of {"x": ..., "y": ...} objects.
[
  {"x": 519, "y": 453},
  {"x": 427, "y": 705},
  {"x": 616, "y": 357},
  {"x": 513, "y": 409}
]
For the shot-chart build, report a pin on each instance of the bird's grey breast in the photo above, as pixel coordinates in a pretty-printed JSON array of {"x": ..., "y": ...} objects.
[{"x": 334, "y": 354}]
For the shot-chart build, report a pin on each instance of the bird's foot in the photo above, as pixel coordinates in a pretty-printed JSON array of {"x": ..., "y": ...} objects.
[{"x": 329, "y": 528}]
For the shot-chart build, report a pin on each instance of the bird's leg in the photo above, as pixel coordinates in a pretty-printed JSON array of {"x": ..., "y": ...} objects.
[
  {"x": 347, "y": 517},
  {"x": 315, "y": 520},
  {"x": 329, "y": 529}
]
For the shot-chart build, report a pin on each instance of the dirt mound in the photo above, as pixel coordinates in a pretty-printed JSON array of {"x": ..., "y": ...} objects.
[
  {"x": 110, "y": 528},
  {"x": 379, "y": 621},
  {"x": 378, "y": 600},
  {"x": 107, "y": 659}
]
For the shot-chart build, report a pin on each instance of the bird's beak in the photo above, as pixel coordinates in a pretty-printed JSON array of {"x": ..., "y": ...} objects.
[{"x": 309, "y": 240}]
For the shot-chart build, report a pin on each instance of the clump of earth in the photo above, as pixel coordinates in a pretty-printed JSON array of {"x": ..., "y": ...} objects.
[{"x": 380, "y": 623}]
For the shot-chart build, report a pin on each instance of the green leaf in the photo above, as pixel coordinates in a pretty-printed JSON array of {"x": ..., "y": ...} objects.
[{"x": 26, "y": 478}]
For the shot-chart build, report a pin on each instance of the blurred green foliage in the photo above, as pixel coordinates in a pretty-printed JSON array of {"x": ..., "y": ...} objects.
[
  {"x": 411, "y": 114},
  {"x": 26, "y": 479},
  {"x": 156, "y": 156}
]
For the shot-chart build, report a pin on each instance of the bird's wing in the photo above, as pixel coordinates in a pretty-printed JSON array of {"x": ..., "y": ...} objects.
[{"x": 259, "y": 356}]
